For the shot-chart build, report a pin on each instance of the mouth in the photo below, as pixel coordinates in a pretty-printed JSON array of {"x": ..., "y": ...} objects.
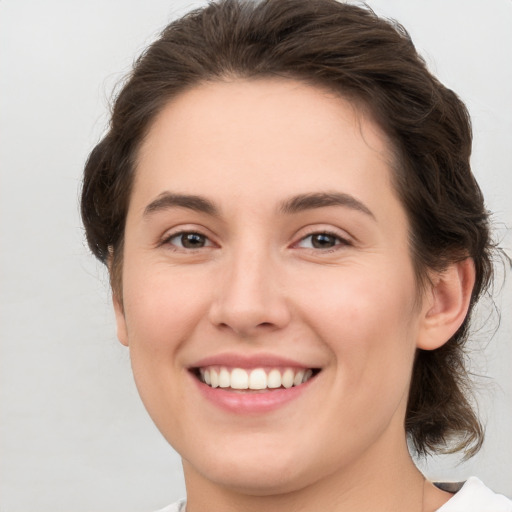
[{"x": 261, "y": 379}]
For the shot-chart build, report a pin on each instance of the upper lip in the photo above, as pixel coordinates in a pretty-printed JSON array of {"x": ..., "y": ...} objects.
[{"x": 234, "y": 360}]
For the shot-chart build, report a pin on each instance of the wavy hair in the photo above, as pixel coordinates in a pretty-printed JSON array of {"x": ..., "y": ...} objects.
[{"x": 371, "y": 61}]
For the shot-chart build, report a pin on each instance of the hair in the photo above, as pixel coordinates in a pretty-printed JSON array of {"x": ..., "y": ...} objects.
[{"x": 370, "y": 61}]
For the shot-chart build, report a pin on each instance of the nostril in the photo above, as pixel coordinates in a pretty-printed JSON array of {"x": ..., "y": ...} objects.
[
  {"x": 245, "y": 328},
  {"x": 246, "y": 306}
]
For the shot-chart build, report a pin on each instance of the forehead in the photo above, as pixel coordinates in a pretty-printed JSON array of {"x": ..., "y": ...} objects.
[{"x": 251, "y": 137}]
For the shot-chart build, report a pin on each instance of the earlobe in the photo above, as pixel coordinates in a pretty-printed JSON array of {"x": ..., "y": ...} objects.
[
  {"x": 122, "y": 334},
  {"x": 447, "y": 304}
]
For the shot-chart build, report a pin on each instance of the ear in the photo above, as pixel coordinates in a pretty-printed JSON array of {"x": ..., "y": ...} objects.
[
  {"x": 122, "y": 332},
  {"x": 446, "y": 304}
]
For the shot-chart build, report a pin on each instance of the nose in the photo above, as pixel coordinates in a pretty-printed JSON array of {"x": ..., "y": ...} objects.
[{"x": 250, "y": 299}]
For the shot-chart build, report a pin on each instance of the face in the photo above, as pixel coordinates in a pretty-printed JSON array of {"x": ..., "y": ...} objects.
[{"x": 266, "y": 253}]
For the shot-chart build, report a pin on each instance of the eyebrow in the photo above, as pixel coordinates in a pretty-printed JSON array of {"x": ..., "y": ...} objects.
[
  {"x": 299, "y": 203},
  {"x": 321, "y": 200},
  {"x": 168, "y": 200}
]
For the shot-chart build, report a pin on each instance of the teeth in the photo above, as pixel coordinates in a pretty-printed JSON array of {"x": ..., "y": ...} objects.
[
  {"x": 287, "y": 378},
  {"x": 239, "y": 379},
  {"x": 307, "y": 376},
  {"x": 224, "y": 378},
  {"x": 274, "y": 379},
  {"x": 258, "y": 378},
  {"x": 214, "y": 377},
  {"x": 298, "y": 377}
]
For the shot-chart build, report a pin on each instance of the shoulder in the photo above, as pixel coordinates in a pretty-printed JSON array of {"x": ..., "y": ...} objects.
[
  {"x": 475, "y": 496},
  {"x": 179, "y": 506}
]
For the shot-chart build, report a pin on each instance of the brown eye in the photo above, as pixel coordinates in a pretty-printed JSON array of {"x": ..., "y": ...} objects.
[
  {"x": 322, "y": 241},
  {"x": 189, "y": 240}
]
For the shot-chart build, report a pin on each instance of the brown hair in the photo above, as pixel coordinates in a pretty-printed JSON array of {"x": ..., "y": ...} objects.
[{"x": 372, "y": 61}]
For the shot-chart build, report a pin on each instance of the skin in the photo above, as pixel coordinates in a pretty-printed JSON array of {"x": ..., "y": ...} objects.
[{"x": 259, "y": 285}]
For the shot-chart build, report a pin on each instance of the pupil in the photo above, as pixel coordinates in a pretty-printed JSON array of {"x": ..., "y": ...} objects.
[
  {"x": 323, "y": 241},
  {"x": 192, "y": 240}
]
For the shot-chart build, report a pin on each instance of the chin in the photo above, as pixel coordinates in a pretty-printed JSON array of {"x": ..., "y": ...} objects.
[
  {"x": 257, "y": 474},
  {"x": 263, "y": 481}
]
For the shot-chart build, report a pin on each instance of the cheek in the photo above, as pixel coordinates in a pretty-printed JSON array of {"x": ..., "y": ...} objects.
[
  {"x": 361, "y": 299},
  {"x": 367, "y": 319},
  {"x": 370, "y": 330},
  {"x": 161, "y": 316},
  {"x": 161, "y": 310}
]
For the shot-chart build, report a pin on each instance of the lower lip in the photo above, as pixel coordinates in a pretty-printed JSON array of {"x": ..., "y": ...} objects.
[{"x": 251, "y": 402}]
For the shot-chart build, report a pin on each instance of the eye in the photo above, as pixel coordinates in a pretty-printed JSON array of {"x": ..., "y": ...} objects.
[
  {"x": 321, "y": 241},
  {"x": 189, "y": 240}
]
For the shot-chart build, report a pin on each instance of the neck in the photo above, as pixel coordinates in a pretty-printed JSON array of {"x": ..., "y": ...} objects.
[{"x": 384, "y": 479}]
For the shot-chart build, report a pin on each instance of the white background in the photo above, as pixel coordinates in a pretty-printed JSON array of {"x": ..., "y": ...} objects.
[{"x": 74, "y": 436}]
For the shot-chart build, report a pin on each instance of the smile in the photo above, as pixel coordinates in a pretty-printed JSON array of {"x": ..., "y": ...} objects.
[
  {"x": 259, "y": 379},
  {"x": 257, "y": 384}
]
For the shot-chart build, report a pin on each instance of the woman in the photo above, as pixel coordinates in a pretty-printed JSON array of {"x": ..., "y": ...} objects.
[{"x": 295, "y": 242}]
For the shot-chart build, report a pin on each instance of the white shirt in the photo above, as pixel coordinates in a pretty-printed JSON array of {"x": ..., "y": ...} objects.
[{"x": 473, "y": 496}]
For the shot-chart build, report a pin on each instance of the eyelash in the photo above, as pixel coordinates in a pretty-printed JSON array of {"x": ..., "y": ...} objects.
[
  {"x": 181, "y": 234},
  {"x": 342, "y": 242}
]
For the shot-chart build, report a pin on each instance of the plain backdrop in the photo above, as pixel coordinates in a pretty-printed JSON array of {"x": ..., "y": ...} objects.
[{"x": 74, "y": 435}]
